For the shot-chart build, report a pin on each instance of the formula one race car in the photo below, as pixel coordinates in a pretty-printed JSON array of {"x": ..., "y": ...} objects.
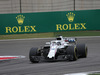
[{"x": 67, "y": 47}]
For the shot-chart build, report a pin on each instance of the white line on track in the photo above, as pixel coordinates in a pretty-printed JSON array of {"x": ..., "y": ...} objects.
[
  {"x": 84, "y": 73},
  {"x": 77, "y": 74},
  {"x": 10, "y": 57},
  {"x": 14, "y": 56}
]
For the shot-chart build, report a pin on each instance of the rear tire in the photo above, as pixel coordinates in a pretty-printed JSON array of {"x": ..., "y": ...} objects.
[
  {"x": 72, "y": 53},
  {"x": 82, "y": 50},
  {"x": 33, "y": 55}
]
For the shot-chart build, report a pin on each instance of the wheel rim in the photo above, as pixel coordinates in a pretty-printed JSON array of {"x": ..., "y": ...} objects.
[
  {"x": 75, "y": 53},
  {"x": 86, "y": 51}
]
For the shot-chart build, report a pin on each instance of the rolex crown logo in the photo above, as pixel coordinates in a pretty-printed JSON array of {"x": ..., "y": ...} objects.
[
  {"x": 20, "y": 19},
  {"x": 70, "y": 16}
]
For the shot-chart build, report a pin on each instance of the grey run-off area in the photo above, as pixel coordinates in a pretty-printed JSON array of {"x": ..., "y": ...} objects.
[{"x": 25, "y": 67}]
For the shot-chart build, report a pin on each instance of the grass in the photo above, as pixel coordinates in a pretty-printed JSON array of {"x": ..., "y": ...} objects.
[
  {"x": 79, "y": 33},
  {"x": 51, "y": 34},
  {"x": 24, "y": 36},
  {"x": 95, "y": 74}
]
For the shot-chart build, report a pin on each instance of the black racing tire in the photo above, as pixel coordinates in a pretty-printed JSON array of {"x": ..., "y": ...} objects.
[
  {"x": 82, "y": 50},
  {"x": 72, "y": 53},
  {"x": 33, "y": 55}
]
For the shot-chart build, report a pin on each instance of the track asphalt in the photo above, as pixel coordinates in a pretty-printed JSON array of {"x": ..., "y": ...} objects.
[{"x": 25, "y": 67}]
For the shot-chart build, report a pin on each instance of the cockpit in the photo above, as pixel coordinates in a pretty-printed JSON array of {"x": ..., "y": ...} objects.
[
  {"x": 58, "y": 43},
  {"x": 55, "y": 43}
]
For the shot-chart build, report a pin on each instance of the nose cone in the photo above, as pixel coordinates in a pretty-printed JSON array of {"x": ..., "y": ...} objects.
[{"x": 52, "y": 51}]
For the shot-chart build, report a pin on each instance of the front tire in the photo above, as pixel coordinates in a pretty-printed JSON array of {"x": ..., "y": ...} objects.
[{"x": 33, "y": 55}]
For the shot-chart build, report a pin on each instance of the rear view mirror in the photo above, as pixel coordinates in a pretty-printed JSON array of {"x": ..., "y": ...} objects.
[{"x": 48, "y": 43}]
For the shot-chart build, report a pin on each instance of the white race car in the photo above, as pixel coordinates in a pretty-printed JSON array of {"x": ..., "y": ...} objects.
[{"x": 66, "y": 47}]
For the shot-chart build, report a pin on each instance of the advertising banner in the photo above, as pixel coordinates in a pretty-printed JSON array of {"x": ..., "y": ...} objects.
[{"x": 49, "y": 22}]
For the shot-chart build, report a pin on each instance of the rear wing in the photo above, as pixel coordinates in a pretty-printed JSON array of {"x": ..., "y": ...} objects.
[{"x": 71, "y": 40}]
